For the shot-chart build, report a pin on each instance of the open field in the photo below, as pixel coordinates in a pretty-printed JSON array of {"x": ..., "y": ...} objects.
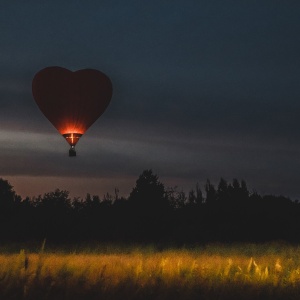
[{"x": 242, "y": 271}]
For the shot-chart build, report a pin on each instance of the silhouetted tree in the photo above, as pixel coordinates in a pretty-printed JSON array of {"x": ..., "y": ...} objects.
[
  {"x": 244, "y": 192},
  {"x": 149, "y": 192},
  {"x": 54, "y": 212},
  {"x": 238, "y": 192},
  {"x": 8, "y": 197},
  {"x": 211, "y": 194},
  {"x": 192, "y": 197},
  {"x": 10, "y": 210},
  {"x": 223, "y": 191},
  {"x": 58, "y": 200},
  {"x": 195, "y": 197},
  {"x": 176, "y": 199},
  {"x": 199, "y": 195},
  {"x": 149, "y": 206}
]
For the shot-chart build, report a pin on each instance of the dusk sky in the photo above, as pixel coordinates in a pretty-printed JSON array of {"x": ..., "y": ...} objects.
[{"x": 201, "y": 89}]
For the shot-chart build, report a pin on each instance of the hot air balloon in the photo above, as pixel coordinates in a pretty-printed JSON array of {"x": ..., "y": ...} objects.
[{"x": 71, "y": 101}]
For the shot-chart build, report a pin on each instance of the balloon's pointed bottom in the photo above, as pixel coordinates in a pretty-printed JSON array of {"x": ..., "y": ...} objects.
[
  {"x": 72, "y": 152},
  {"x": 72, "y": 138}
]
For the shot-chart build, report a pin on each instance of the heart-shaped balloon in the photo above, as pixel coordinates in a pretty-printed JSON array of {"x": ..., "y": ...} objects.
[{"x": 71, "y": 101}]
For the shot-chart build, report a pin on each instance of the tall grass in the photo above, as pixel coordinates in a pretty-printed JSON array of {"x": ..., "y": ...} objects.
[{"x": 270, "y": 271}]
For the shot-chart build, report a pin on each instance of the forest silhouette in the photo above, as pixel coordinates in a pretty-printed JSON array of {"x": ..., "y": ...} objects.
[{"x": 152, "y": 213}]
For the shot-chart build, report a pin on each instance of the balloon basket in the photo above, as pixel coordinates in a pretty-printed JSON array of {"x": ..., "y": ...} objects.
[{"x": 72, "y": 152}]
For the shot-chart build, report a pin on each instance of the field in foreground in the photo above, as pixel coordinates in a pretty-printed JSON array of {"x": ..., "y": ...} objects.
[{"x": 242, "y": 271}]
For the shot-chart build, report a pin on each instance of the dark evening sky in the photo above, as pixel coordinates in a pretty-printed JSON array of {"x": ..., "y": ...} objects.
[{"x": 202, "y": 89}]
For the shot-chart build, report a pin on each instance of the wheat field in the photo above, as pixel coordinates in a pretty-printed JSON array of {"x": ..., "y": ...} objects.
[{"x": 245, "y": 271}]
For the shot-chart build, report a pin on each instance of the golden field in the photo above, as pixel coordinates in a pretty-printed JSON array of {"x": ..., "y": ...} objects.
[{"x": 240, "y": 271}]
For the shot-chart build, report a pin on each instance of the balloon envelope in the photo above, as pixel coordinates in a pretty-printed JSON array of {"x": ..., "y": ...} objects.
[{"x": 71, "y": 101}]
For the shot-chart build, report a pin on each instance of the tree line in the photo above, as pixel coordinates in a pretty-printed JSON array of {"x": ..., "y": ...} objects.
[{"x": 152, "y": 213}]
